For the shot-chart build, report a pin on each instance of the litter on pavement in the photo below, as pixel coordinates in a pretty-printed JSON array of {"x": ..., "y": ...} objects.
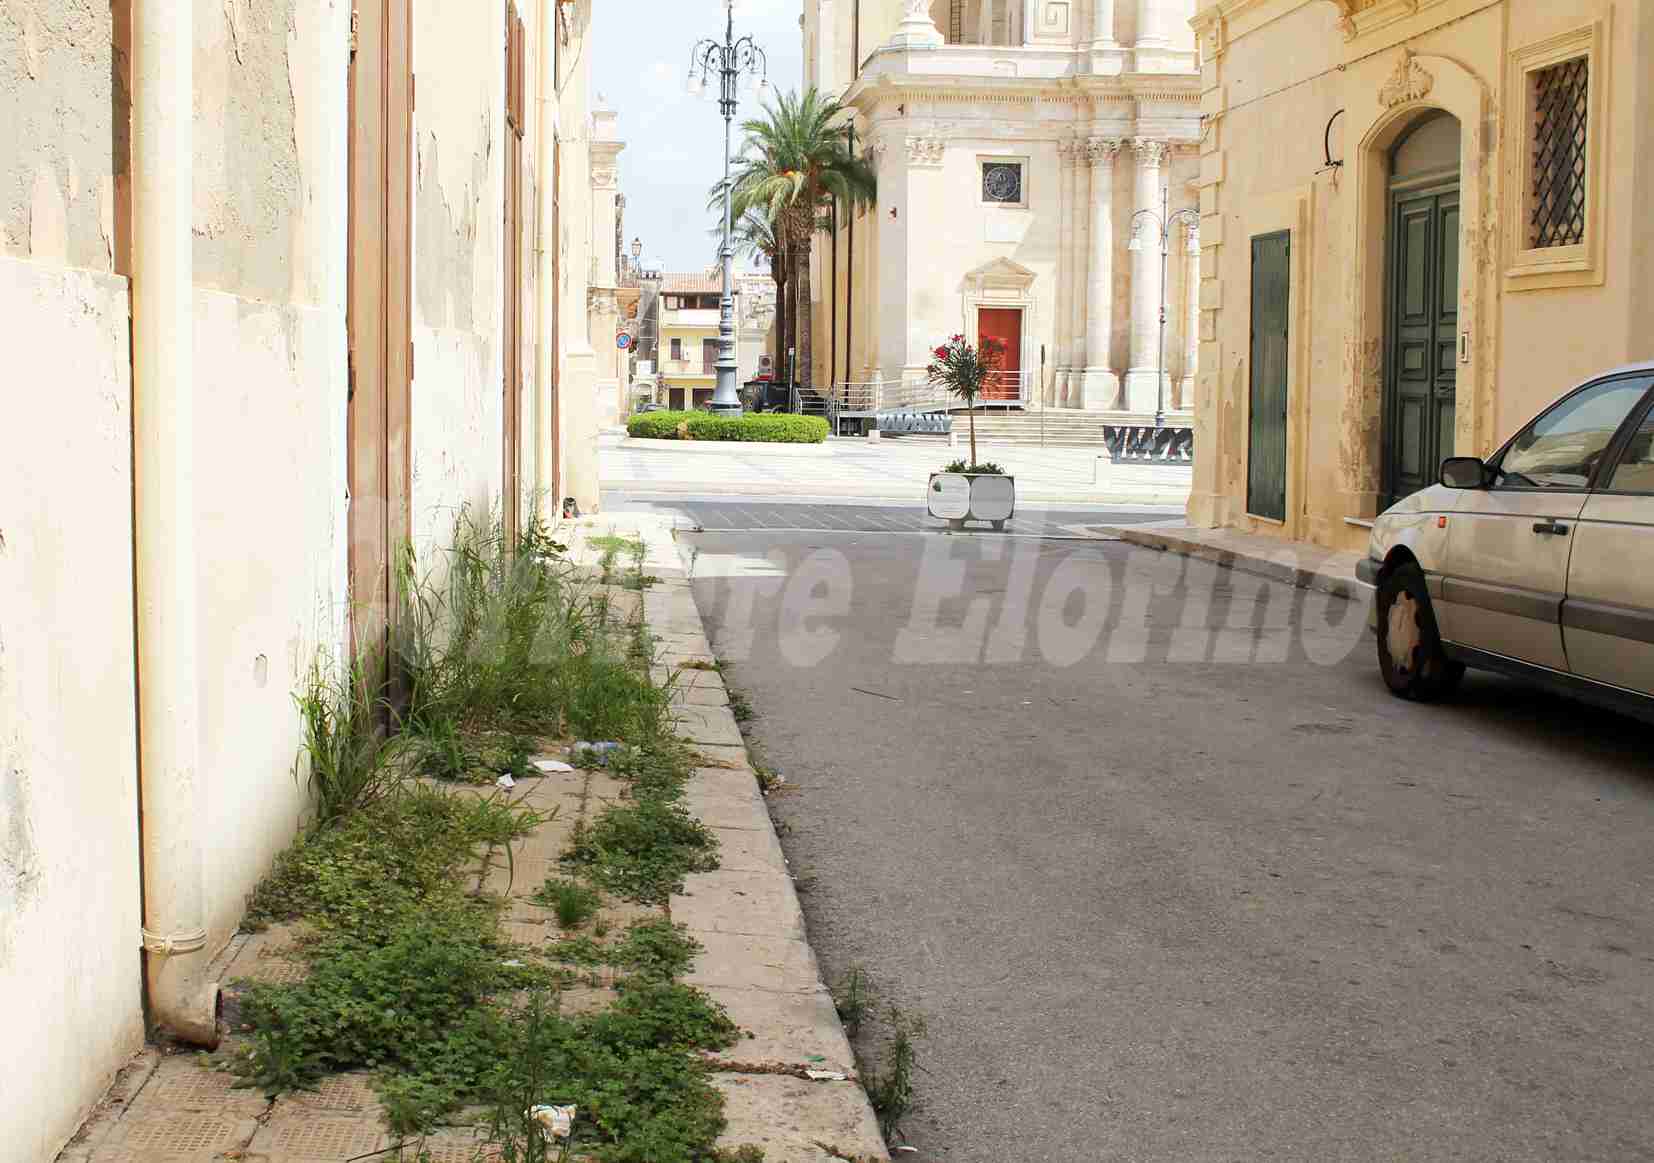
[
  {"x": 596, "y": 753},
  {"x": 551, "y": 766},
  {"x": 558, "y": 1120}
]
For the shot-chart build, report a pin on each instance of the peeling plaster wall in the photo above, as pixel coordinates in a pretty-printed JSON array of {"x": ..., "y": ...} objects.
[
  {"x": 459, "y": 126},
  {"x": 70, "y": 980},
  {"x": 247, "y": 185},
  {"x": 270, "y": 391},
  {"x": 57, "y": 103}
]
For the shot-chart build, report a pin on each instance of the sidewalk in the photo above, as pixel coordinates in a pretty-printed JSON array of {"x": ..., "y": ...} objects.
[
  {"x": 171, "y": 1106},
  {"x": 1296, "y": 563},
  {"x": 882, "y": 469}
]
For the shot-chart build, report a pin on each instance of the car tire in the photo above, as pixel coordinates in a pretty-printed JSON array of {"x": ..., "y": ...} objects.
[{"x": 1410, "y": 654}]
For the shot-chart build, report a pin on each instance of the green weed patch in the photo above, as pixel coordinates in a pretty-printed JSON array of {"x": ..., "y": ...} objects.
[{"x": 410, "y": 975}]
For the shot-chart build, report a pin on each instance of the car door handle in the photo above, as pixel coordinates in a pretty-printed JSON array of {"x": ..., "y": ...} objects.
[{"x": 1551, "y": 528}]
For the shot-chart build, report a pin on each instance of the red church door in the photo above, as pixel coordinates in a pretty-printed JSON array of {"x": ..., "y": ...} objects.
[{"x": 1005, "y": 325}]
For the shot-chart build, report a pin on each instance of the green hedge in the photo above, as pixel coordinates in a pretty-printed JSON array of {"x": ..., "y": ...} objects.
[{"x": 768, "y": 427}]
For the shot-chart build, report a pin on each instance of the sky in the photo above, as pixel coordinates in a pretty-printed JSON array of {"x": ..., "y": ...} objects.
[{"x": 674, "y": 142}]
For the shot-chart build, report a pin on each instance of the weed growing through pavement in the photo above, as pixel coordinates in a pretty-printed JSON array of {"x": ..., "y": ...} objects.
[
  {"x": 854, "y": 1000},
  {"x": 410, "y": 976},
  {"x": 349, "y": 761},
  {"x": 741, "y": 707},
  {"x": 642, "y": 850},
  {"x": 890, "y": 1086},
  {"x": 573, "y": 902}
]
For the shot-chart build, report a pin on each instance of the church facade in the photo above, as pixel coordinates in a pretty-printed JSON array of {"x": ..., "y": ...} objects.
[{"x": 1019, "y": 145}]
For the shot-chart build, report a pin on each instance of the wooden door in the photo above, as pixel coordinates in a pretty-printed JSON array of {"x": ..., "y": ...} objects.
[
  {"x": 1421, "y": 364},
  {"x": 379, "y": 317},
  {"x": 512, "y": 418},
  {"x": 1266, "y": 446},
  {"x": 1005, "y": 325}
]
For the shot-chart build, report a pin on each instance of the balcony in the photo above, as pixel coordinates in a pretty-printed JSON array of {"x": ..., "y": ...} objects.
[{"x": 687, "y": 367}]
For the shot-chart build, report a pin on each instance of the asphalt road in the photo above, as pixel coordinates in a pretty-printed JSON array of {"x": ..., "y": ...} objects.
[
  {"x": 1171, "y": 875},
  {"x": 723, "y": 514}
]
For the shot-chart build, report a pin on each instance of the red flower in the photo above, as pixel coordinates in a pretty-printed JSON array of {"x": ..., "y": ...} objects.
[{"x": 941, "y": 353}]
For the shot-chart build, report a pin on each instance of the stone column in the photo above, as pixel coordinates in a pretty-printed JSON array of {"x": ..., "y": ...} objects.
[
  {"x": 1153, "y": 24},
  {"x": 1102, "y": 25},
  {"x": 1191, "y": 321},
  {"x": 1063, "y": 312},
  {"x": 1100, "y": 387},
  {"x": 1153, "y": 51},
  {"x": 1078, "y": 250},
  {"x": 1142, "y": 378},
  {"x": 917, "y": 29}
]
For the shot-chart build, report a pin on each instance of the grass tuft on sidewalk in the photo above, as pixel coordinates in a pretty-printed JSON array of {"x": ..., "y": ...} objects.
[{"x": 410, "y": 973}]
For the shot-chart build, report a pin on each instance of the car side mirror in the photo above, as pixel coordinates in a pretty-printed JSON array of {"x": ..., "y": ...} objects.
[{"x": 1464, "y": 472}]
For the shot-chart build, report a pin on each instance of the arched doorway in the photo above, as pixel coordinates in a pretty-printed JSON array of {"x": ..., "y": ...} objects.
[{"x": 1421, "y": 323}]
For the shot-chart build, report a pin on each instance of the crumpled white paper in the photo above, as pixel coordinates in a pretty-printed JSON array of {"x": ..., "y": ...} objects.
[{"x": 557, "y": 1120}]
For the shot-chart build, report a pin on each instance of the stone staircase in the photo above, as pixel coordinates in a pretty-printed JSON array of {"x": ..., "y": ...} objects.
[{"x": 1060, "y": 426}]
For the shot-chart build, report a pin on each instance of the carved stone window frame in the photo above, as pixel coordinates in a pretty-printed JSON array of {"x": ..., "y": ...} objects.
[
  {"x": 1579, "y": 265},
  {"x": 983, "y": 161}
]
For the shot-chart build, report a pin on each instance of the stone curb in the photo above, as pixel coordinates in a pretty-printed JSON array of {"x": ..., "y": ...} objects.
[
  {"x": 756, "y": 961},
  {"x": 1330, "y": 576}
]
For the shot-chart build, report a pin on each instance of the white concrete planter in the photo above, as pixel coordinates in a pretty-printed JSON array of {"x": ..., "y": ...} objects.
[{"x": 957, "y": 497}]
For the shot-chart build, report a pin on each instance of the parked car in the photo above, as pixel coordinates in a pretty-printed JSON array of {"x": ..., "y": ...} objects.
[
  {"x": 1538, "y": 562},
  {"x": 651, "y": 407}
]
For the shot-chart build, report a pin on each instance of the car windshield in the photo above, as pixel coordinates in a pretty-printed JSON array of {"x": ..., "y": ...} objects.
[{"x": 1560, "y": 450}]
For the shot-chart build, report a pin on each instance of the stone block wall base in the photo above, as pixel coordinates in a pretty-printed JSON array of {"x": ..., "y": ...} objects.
[
  {"x": 1099, "y": 390},
  {"x": 1143, "y": 388}
]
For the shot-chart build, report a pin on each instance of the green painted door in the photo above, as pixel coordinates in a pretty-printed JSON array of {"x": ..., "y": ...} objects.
[
  {"x": 1266, "y": 447},
  {"x": 1421, "y": 364}
]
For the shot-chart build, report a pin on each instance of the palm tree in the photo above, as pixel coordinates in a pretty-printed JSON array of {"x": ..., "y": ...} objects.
[{"x": 795, "y": 163}]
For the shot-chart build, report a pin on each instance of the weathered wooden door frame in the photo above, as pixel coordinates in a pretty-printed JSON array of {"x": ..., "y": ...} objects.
[{"x": 379, "y": 316}]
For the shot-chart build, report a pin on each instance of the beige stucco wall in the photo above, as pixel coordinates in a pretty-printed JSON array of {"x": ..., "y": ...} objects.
[
  {"x": 270, "y": 512},
  {"x": 577, "y": 402},
  {"x": 459, "y": 125},
  {"x": 57, "y": 177},
  {"x": 69, "y": 899},
  {"x": 1275, "y": 73}
]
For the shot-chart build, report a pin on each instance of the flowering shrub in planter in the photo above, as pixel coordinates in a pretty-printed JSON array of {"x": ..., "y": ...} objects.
[{"x": 961, "y": 370}]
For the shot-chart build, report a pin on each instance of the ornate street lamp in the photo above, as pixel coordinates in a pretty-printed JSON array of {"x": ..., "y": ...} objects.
[
  {"x": 1164, "y": 221},
  {"x": 730, "y": 61},
  {"x": 637, "y": 255}
]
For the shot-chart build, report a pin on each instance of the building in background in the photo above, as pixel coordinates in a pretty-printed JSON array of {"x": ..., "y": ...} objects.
[
  {"x": 1424, "y": 222},
  {"x": 1013, "y": 143},
  {"x": 689, "y": 312},
  {"x": 614, "y": 303},
  {"x": 267, "y": 323},
  {"x": 755, "y": 328}
]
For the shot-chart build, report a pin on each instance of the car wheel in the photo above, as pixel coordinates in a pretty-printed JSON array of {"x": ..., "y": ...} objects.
[{"x": 1410, "y": 654}]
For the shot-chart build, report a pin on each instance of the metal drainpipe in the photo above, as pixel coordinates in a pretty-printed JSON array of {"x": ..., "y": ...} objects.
[
  {"x": 182, "y": 1001},
  {"x": 545, "y": 290}
]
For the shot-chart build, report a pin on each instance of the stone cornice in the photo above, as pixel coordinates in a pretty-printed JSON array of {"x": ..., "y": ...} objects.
[{"x": 866, "y": 94}]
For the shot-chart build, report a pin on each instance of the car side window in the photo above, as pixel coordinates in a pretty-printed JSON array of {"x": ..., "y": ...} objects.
[
  {"x": 1560, "y": 450},
  {"x": 1635, "y": 471}
]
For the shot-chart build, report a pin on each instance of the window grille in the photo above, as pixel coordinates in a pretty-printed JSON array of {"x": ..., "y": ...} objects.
[
  {"x": 956, "y": 22},
  {"x": 1556, "y": 215}
]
